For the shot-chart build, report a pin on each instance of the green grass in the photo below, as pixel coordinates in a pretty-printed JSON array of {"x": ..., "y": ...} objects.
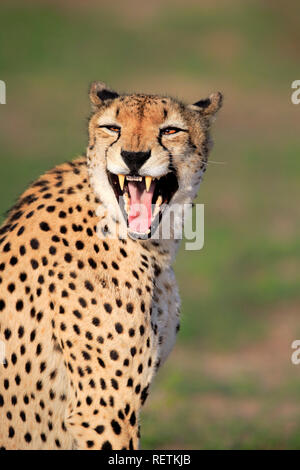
[
  {"x": 221, "y": 413},
  {"x": 244, "y": 282}
]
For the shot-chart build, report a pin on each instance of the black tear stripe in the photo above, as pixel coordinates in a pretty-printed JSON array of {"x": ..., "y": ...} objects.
[
  {"x": 191, "y": 143},
  {"x": 113, "y": 143},
  {"x": 162, "y": 145},
  {"x": 171, "y": 165}
]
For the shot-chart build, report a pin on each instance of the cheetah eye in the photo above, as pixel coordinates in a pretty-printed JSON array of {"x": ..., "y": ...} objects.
[
  {"x": 170, "y": 130},
  {"x": 111, "y": 127}
]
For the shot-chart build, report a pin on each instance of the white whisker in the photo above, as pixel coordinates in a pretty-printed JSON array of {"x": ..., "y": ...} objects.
[
  {"x": 214, "y": 161},
  {"x": 206, "y": 163}
]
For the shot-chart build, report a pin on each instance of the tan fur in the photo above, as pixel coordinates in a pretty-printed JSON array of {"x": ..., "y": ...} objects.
[{"x": 86, "y": 321}]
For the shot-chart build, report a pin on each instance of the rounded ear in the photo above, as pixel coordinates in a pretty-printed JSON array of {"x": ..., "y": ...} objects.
[
  {"x": 208, "y": 106},
  {"x": 99, "y": 93}
]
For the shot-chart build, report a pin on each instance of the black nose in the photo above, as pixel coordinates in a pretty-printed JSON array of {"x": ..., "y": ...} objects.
[{"x": 134, "y": 160}]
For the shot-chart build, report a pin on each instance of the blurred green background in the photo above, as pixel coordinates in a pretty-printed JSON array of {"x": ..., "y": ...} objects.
[{"x": 229, "y": 383}]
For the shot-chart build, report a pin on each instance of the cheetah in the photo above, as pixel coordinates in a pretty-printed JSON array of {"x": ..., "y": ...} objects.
[{"x": 89, "y": 306}]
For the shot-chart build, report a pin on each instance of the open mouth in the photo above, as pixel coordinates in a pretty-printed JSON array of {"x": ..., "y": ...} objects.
[{"x": 143, "y": 200}]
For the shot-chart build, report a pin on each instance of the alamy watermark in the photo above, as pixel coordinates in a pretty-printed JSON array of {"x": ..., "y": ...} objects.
[
  {"x": 295, "y": 357},
  {"x": 2, "y": 92},
  {"x": 177, "y": 222},
  {"x": 295, "y": 97}
]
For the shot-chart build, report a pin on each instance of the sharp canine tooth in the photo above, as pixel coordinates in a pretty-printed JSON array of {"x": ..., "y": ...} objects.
[
  {"x": 148, "y": 180},
  {"x": 157, "y": 206},
  {"x": 159, "y": 200},
  {"x": 121, "y": 181}
]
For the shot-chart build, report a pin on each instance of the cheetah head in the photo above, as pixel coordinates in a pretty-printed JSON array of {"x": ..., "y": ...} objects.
[{"x": 146, "y": 153}]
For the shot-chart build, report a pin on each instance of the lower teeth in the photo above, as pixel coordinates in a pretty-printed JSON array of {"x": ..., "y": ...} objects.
[{"x": 134, "y": 178}]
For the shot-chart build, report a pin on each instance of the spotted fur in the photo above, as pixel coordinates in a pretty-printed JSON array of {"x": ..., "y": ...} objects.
[{"x": 86, "y": 319}]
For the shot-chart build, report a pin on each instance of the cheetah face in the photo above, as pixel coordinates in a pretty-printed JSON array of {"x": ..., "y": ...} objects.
[{"x": 147, "y": 152}]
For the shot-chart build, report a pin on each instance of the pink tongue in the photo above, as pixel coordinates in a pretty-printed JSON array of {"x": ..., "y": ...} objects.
[{"x": 140, "y": 212}]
